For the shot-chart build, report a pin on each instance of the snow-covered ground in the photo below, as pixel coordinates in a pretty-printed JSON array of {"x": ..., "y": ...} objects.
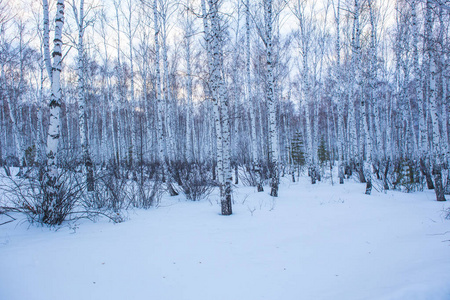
[{"x": 313, "y": 242}]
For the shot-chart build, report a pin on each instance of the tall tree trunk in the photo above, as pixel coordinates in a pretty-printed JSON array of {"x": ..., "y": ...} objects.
[
  {"x": 170, "y": 144},
  {"x": 250, "y": 102},
  {"x": 340, "y": 127},
  {"x": 221, "y": 102},
  {"x": 14, "y": 125},
  {"x": 54, "y": 130},
  {"x": 161, "y": 105},
  {"x": 82, "y": 120},
  {"x": 189, "y": 105},
  {"x": 215, "y": 103},
  {"x": 271, "y": 101},
  {"x": 133, "y": 147},
  {"x": 40, "y": 132},
  {"x": 437, "y": 155},
  {"x": 428, "y": 29},
  {"x": 159, "y": 101}
]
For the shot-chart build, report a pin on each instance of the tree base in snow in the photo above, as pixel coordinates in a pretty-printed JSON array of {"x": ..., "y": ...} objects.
[
  {"x": 438, "y": 187},
  {"x": 260, "y": 188},
  {"x": 368, "y": 187}
]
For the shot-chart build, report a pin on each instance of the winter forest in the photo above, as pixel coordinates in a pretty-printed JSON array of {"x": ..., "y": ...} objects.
[
  {"x": 182, "y": 96},
  {"x": 319, "y": 128}
]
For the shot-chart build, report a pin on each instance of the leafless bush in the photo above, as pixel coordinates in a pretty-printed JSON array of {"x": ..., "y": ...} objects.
[
  {"x": 195, "y": 179},
  {"x": 248, "y": 176},
  {"x": 116, "y": 193},
  {"x": 406, "y": 176},
  {"x": 41, "y": 203},
  {"x": 145, "y": 193},
  {"x": 111, "y": 191},
  {"x": 67, "y": 201}
]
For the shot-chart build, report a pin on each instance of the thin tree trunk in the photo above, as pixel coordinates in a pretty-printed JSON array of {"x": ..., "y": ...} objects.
[
  {"x": 82, "y": 120},
  {"x": 340, "y": 127},
  {"x": 251, "y": 104},
  {"x": 221, "y": 102},
  {"x": 437, "y": 156},
  {"x": 189, "y": 109},
  {"x": 271, "y": 101}
]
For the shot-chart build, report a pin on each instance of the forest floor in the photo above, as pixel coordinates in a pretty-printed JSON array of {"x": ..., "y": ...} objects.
[{"x": 316, "y": 242}]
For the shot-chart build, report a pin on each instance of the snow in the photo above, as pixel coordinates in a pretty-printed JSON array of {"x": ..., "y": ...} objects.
[{"x": 313, "y": 242}]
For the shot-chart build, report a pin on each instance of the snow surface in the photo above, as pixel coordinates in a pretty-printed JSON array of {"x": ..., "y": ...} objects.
[{"x": 313, "y": 242}]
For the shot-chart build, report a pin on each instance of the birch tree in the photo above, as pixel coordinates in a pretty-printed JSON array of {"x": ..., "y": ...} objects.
[
  {"x": 339, "y": 94},
  {"x": 436, "y": 155},
  {"x": 130, "y": 33},
  {"x": 54, "y": 130},
  {"x": 270, "y": 98},
  {"x": 215, "y": 104},
  {"x": 366, "y": 148},
  {"x": 422, "y": 139},
  {"x": 161, "y": 105},
  {"x": 250, "y": 102},
  {"x": 165, "y": 10},
  {"x": 12, "y": 99},
  {"x": 436, "y": 143},
  {"x": 82, "y": 120},
  {"x": 188, "y": 35},
  {"x": 220, "y": 101}
]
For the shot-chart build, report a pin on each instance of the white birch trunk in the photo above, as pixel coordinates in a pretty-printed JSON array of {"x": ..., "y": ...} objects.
[
  {"x": 340, "y": 127},
  {"x": 46, "y": 40},
  {"x": 422, "y": 136},
  {"x": 221, "y": 104},
  {"x": 445, "y": 117},
  {"x": 216, "y": 112},
  {"x": 219, "y": 98},
  {"x": 364, "y": 145},
  {"x": 118, "y": 106},
  {"x": 189, "y": 104},
  {"x": 250, "y": 102},
  {"x": 14, "y": 123},
  {"x": 428, "y": 30},
  {"x": 54, "y": 130},
  {"x": 160, "y": 103},
  {"x": 352, "y": 136},
  {"x": 88, "y": 168},
  {"x": 436, "y": 149},
  {"x": 133, "y": 146},
  {"x": 40, "y": 132},
  {"x": 443, "y": 79},
  {"x": 306, "y": 100},
  {"x": 376, "y": 147},
  {"x": 271, "y": 101}
]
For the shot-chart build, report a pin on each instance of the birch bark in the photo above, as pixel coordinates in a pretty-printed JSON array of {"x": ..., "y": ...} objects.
[
  {"x": 131, "y": 31},
  {"x": 159, "y": 100},
  {"x": 54, "y": 130},
  {"x": 189, "y": 32},
  {"x": 215, "y": 103},
  {"x": 422, "y": 136},
  {"x": 271, "y": 101},
  {"x": 88, "y": 167},
  {"x": 436, "y": 152},
  {"x": 340, "y": 127},
  {"x": 428, "y": 30},
  {"x": 219, "y": 97},
  {"x": 250, "y": 102}
]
